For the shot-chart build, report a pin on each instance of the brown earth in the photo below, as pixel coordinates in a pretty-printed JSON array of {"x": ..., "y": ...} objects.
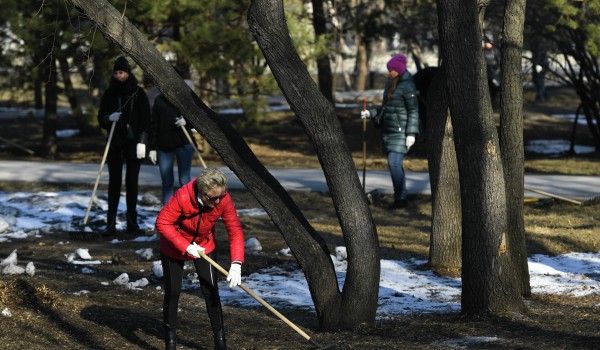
[{"x": 47, "y": 314}]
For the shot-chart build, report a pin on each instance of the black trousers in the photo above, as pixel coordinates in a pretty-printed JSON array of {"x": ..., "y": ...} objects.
[
  {"x": 116, "y": 158},
  {"x": 207, "y": 275}
]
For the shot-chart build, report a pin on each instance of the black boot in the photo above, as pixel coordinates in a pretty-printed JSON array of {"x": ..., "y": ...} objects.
[
  {"x": 398, "y": 204},
  {"x": 132, "y": 226},
  {"x": 220, "y": 343},
  {"x": 111, "y": 225},
  {"x": 170, "y": 339},
  {"x": 110, "y": 230}
]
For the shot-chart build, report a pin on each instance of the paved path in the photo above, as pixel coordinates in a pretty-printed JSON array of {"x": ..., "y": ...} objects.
[{"x": 576, "y": 187}]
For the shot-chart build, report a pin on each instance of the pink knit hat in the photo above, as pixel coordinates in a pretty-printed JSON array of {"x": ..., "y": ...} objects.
[{"x": 397, "y": 63}]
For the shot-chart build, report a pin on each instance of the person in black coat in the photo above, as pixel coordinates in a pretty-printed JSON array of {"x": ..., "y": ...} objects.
[
  {"x": 168, "y": 142},
  {"x": 125, "y": 105}
]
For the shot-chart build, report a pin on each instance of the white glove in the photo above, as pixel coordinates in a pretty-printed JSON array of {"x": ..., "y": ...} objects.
[
  {"x": 152, "y": 156},
  {"x": 179, "y": 122},
  {"x": 114, "y": 117},
  {"x": 235, "y": 275},
  {"x": 194, "y": 131},
  {"x": 365, "y": 114},
  {"x": 410, "y": 140},
  {"x": 140, "y": 151},
  {"x": 193, "y": 250}
]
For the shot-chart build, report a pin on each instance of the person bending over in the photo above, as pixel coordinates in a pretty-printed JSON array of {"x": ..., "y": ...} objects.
[{"x": 187, "y": 226}]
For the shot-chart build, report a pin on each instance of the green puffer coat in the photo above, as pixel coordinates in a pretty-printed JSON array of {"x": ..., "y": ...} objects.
[{"x": 401, "y": 115}]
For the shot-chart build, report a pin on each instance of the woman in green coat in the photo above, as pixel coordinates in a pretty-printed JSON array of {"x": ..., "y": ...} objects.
[{"x": 399, "y": 123}]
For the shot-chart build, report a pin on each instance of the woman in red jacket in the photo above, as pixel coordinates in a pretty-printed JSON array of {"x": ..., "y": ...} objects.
[{"x": 187, "y": 225}]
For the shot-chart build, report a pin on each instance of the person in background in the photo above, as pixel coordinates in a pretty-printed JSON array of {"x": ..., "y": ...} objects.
[
  {"x": 125, "y": 104},
  {"x": 491, "y": 54},
  {"x": 399, "y": 123},
  {"x": 540, "y": 68},
  {"x": 187, "y": 225},
  {"x": 168, "y": 141}
]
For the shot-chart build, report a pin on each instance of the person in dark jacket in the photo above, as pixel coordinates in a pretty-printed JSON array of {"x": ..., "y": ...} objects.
[
  {"x": 187, "y": 226},
  {"x": 399, "y": 123},
  {"x": 125, "y": 105},
  {"x": 168, "y": 141}
]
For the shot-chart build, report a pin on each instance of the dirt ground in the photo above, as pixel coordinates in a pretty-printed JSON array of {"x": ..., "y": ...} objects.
[{"x": 50, "y": 311}]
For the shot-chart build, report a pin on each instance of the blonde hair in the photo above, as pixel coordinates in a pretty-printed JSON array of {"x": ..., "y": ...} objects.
[{"x": 209, "y": 179}]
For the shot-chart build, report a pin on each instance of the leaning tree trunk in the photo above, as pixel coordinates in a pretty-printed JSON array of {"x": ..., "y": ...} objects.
[
  {"x": 445, "y": 241},
  {"x": 308, "y": 247},
  {"x": 511, "y": 137},
  {"x": 49, "y": 146},
  {"x": 488, "y": 276},
  {"x": 266, "y": 20}
]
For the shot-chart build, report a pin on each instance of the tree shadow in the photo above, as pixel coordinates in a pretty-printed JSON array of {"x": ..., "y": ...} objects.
[
  {"x": 127, "y": 323},
  {"x": 79, "y": 333}
]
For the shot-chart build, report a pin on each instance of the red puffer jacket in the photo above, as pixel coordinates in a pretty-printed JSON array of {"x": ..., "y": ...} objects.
[{"x": 181, "y": 219}]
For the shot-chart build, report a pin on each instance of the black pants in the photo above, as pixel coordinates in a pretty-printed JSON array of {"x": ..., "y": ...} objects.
[
  {"x": 116, "y": 158},
  {"x": 207, "y": 275}
]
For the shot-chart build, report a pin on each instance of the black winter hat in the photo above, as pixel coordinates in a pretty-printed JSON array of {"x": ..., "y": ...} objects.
[{"x": 122, "y": 65}]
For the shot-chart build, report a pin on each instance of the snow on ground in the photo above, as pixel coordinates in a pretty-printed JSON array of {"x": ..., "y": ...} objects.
[
  {"x": 404, "y": 288},
  {"x": 559, "y": 146}
]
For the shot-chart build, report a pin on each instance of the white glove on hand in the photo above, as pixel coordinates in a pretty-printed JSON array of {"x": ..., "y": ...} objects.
[
  {"x": 152, "y": 156},
  {"x": 235, "y": 275},
  {"x": 193, "y": 250},
  {"x": 365, "y": 114},
  {"x": 410, "y": 140},
  {"x": 140, "y": 151},
  {"x": 114, "y": 117},
  {"x": 179, "y": 122}
]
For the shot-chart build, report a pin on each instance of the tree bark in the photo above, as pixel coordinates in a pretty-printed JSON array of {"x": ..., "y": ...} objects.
[
  {"x": 308, "y": 247},
  {"x": 488, "y": 276},
  {"x": 325, "y": 77},
  {"x": 49, "y": 146},
  {"x": 511, "y": 137},
  {"x": 445, "y": 241},
  {"x": 360, "y": 293},
  {"x": 361, "y": 65}
]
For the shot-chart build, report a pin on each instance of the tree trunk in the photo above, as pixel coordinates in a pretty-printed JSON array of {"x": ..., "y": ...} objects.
[
  {"x": 360, "y": 293},
  {"x": 445, "y": 242},
  {"x": 361, "y": 65},
  {"x": 84, "y": 126},
  {"x": 308, "y": 247},
  {"x": 488, "y": 276},
  {"x": 323, "y": 65},
  {"x": 49, "y": 146},
  {"x": 511, "y": 137}
]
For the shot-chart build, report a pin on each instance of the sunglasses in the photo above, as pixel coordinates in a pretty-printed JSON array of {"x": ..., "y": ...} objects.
[{"x": 215, "y": 198}]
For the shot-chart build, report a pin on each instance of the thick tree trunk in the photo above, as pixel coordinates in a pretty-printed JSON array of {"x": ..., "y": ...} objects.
[
  {"x": 323, "y": 65},
  {"x": 445, "y": 243},
  {"x": 308, "y": 247},
  {"x": 511, "y": 137},
  {"x": 360, "y": 294},
  {"x": 488, "y": 276},
  {"x": 49, "y": 146}
]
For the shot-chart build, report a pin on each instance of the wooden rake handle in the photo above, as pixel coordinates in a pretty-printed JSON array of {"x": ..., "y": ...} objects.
[
  {"x": 187, "y": 134},
  {"x": 259, "y": 299},
  {"x": 89, "y": 208}
]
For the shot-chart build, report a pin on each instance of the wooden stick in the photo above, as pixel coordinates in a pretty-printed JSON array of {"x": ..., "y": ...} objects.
[
  {"x": 110, "y": 135},
  {"x": 259, "y": 299},
  {"x": 187, "y": 134},
  {"x": 17, "y": 145},
  {"x": 554, "y": 196}
]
